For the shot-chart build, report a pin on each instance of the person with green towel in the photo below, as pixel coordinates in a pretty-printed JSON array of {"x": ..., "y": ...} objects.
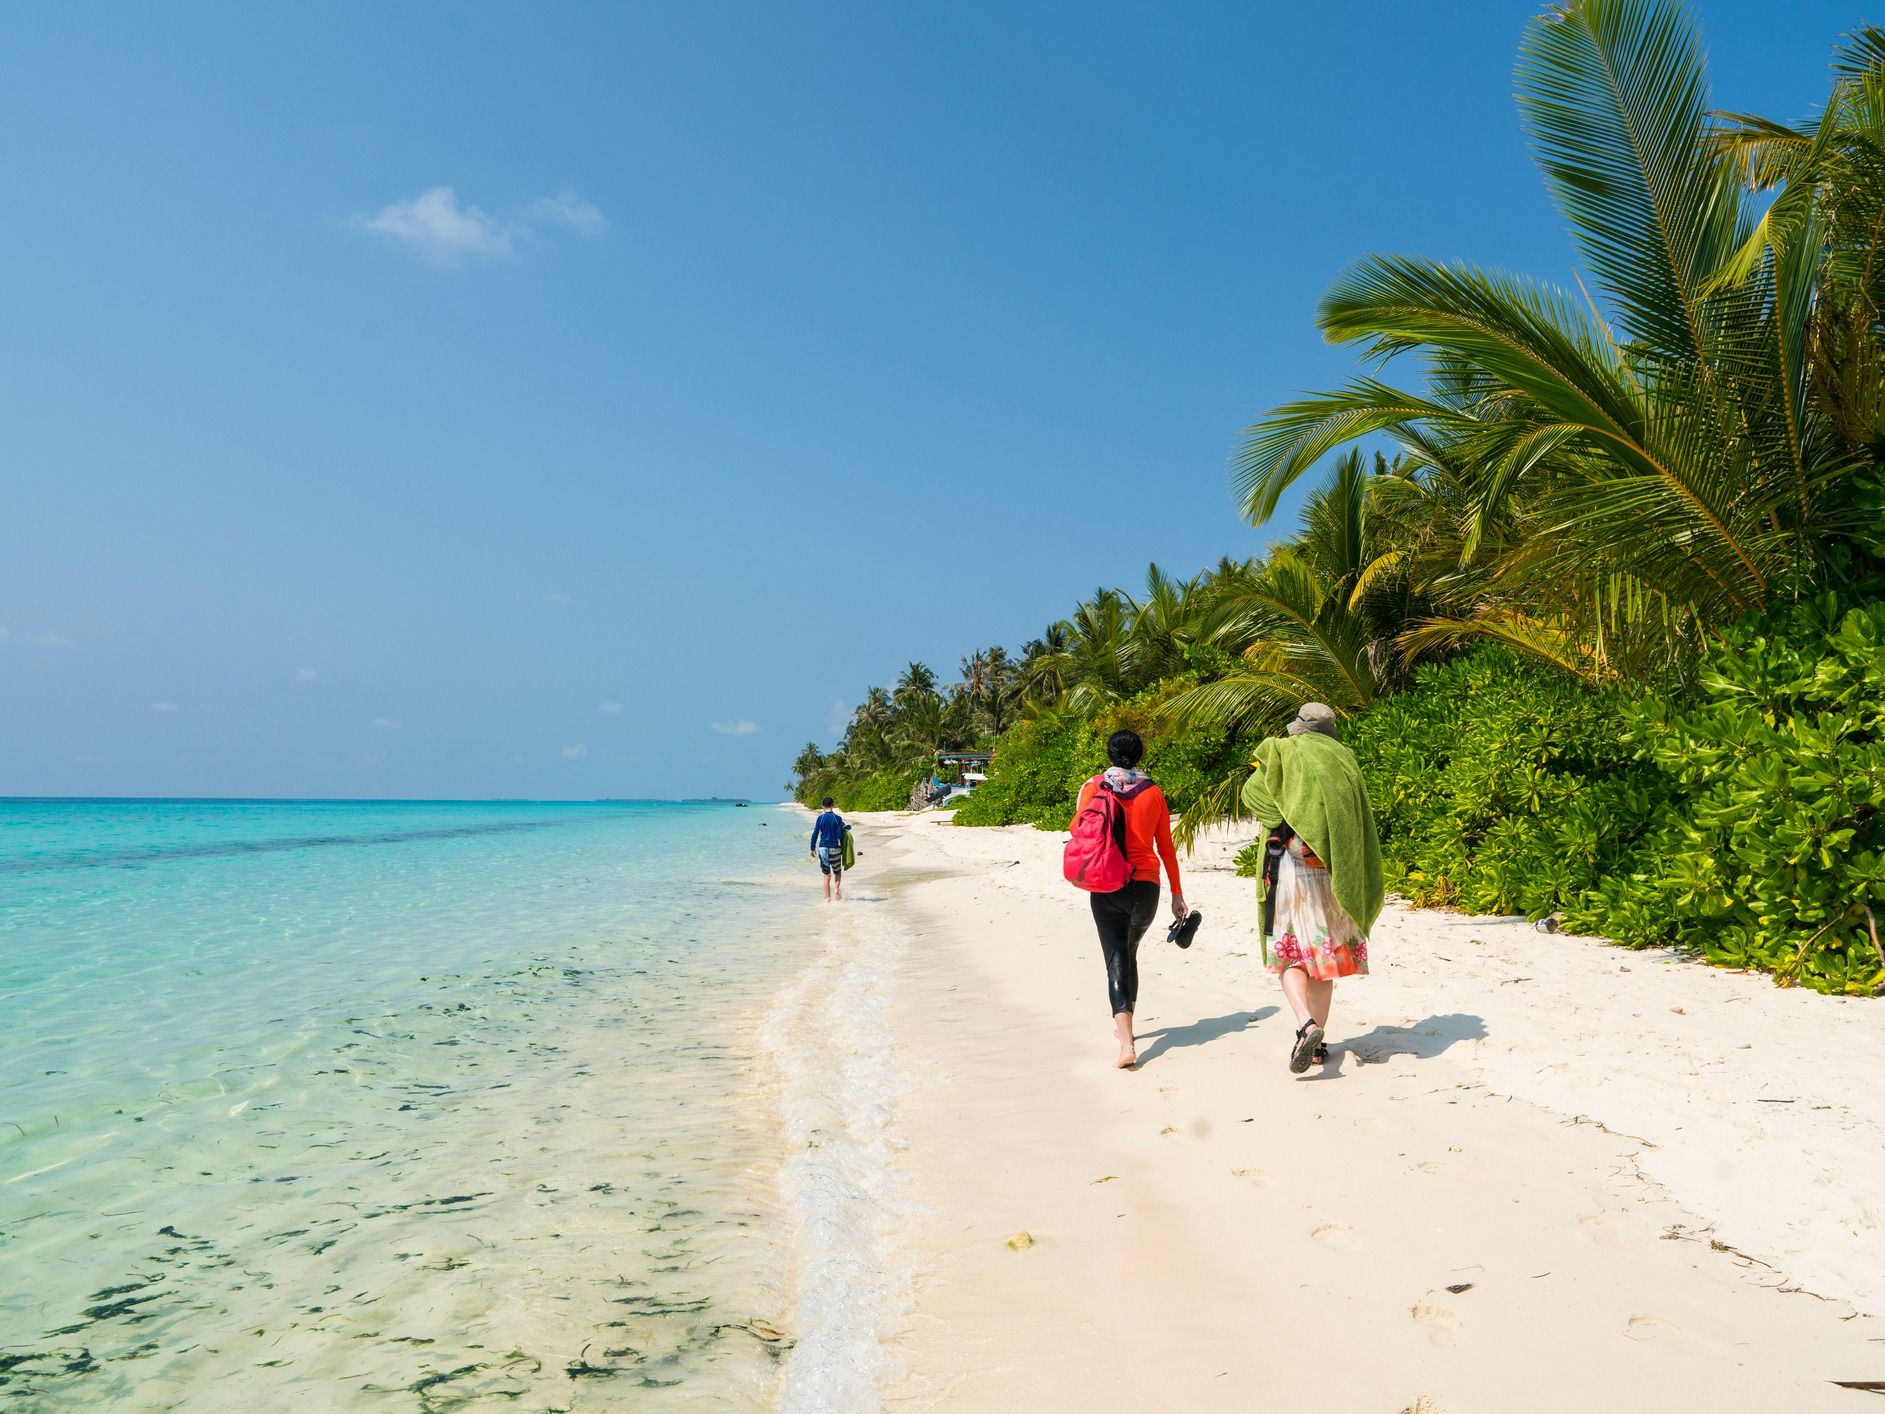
[{"x": 1320, "y": 887}]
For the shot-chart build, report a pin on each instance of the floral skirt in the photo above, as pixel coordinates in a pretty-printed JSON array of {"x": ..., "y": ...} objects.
[{"x": 1313, "y": 931}]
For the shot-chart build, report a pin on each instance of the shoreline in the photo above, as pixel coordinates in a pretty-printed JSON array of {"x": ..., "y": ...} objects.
[{"x": 1645, "y": 1193}]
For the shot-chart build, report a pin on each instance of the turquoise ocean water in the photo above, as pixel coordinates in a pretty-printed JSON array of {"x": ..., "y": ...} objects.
[{"x": 335, "y": 1105}]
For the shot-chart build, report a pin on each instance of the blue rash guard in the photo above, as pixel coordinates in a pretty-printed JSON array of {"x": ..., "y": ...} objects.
[{"x": 828, "y": 831}]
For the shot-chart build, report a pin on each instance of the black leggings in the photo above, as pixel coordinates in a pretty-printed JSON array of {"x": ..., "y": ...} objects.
[{"x": 1122, "y": 918}]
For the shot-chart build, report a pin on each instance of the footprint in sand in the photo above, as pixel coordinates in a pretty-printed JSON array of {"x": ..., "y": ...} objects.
[
  {"x": 1599, "y": 1230},
  {"x": 1334, "y": 1235},
  {"x": 1450, "y": 1168},
  {"x": 1442, "y": 1324},
  {"x": 1666, "y": 1331}
]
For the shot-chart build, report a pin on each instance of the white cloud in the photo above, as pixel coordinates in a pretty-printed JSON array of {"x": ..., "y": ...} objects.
[
  {"x": 164, "y": 707},
  {"x": 572, "y": 211},
  {"x": 442, "y": 231},
  {"x": 385, "y": 724},
  {"x": 576, "y": 752},
  {"x": 837, "y": 718},
  {"x": 305, "y": 675},
  {"x": 740, "y": 728},
  {"x": 611, "y": 709},
  {"x": 445, "y": 233}
]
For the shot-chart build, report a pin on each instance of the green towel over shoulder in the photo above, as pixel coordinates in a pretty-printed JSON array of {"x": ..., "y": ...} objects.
[{"x": 1314, "y": 783}]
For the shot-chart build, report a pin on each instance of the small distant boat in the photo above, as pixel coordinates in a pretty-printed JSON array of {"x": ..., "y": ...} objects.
[{"x": 739, "y": 805}]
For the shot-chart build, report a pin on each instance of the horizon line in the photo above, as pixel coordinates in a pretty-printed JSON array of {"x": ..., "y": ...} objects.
[{"x": 406, "y": 799}]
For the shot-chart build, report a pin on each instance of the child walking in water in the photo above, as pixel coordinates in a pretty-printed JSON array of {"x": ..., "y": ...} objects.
[
  {"x": 1321, "y": 886},
  {"x": 828, "y": 832},
  {"x": 1123, "y": 915}
]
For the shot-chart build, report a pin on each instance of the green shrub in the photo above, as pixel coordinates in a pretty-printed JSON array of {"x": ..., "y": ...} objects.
[
  {"x": 888, "y": 790},
  {"x": 1771, "y": 853},
  {"x": 1040, "y": 766},
  {"x": 1036, "y": 774},
  {"x": 1742, "y": 822},
  {"x": 1502, "y": 787}
]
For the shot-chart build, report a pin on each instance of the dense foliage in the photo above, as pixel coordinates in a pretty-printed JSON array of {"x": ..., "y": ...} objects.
[
  {"x": 1046, "y": 760},
  {"x": 1744, "y": 824},
  {"x": 1578, "y": 622},
  {"x": 1502, "y": 787},
  {"x": 1770, "y": 851}
]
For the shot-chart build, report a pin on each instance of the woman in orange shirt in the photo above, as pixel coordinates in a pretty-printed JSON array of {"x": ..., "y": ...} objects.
[{"x": 1123, "y": 916}]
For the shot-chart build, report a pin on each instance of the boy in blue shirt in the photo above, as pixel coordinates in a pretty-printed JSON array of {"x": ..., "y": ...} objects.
[{"x": 828, "y": 832}]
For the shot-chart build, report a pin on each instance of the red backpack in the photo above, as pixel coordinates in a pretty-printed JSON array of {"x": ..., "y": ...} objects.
[{"x": 1095, "y": 858}]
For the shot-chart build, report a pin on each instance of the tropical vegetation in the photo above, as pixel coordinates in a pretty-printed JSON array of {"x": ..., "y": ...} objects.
[{"x": 1592, "y": 568}]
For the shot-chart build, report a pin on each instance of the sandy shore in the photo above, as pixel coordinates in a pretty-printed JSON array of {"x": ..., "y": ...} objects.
[{"x": 1540, "y": 1173}]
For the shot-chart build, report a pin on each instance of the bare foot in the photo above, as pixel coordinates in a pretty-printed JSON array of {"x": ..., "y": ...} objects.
[{"x": 1128, "y": 1058}]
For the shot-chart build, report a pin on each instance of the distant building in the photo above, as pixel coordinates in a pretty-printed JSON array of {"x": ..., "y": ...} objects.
[{"x": 971, "y": 766}]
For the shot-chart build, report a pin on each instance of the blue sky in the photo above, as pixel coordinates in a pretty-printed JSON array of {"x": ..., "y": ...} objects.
[{"x": 594, "y": 400}]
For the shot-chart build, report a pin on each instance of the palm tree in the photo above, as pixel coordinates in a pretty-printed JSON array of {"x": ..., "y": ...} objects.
[
  {"x": 917, "y": 683},
  {"x": 1829, "y": 213},
  {"x": 1164, "y": 625},
  {"x": 875, "y": 711},
  {"x": 989, "y": 687},
  {"x": 1299, "y": 624},
  {"x": 1099, "y": 668},
  {"x": 1665, "y": 460},
  {"x": 1046, "y": 664}
]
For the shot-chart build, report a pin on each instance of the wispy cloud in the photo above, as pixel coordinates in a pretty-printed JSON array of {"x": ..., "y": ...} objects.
[
  {"x": 837, "y": 717},
  {"x": 740, "y": 728},
  {"x": 164, "y": 707},
  {"x": 610, "y": 709},
  {"x": 572, "y": 211},
  {"x": 385, "y": 724},
  {"x": 442, "y": 231},
  {"x": 305, "y": 675},
  {"x": 576, "y": 752},
  {"x": 445, "y": 233}
]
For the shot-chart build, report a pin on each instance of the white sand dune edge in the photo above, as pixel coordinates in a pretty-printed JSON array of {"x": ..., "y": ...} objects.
[{"x": 1654, "y": 1185}]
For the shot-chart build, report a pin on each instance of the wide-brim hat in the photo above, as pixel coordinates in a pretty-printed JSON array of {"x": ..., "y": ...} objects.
[{"x": 1314, "y": 717}]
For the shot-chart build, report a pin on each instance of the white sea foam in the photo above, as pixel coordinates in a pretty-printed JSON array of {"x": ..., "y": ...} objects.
[{"x": 839, "y": 1085}]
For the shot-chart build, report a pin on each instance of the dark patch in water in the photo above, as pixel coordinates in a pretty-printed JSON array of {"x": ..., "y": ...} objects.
[{"x": 132, "y": 858}]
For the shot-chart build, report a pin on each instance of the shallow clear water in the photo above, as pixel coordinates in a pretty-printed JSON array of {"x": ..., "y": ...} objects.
[{"x": 364, "y": 1105}]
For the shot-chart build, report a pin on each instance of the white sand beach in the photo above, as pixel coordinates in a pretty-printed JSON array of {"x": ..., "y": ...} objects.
[{"x": 1540, "y": 1174}]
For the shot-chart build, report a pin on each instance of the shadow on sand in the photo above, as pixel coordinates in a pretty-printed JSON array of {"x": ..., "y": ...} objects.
[
  {"x": 1423, "y": 1041},
  {"x": 1198, "y": 1033}
]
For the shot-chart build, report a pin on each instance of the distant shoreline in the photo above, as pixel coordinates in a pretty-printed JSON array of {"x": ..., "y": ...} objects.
[{"x": 387, "y": 800}]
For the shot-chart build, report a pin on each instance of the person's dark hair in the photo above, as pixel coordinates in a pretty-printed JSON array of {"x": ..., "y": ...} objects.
[
  {"x": 1123, "y": 748},
  {"x": 826, "y": 802}
]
